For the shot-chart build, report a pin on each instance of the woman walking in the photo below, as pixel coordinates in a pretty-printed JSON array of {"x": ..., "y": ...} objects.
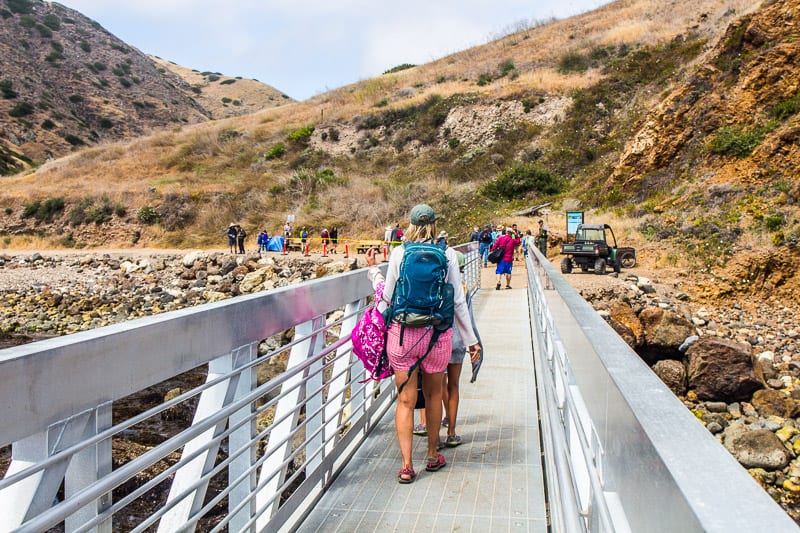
[{"x": 406, "y": 352}]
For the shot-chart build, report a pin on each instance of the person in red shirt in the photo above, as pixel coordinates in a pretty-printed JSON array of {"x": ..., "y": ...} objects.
[{"x": 507, "y": 242}]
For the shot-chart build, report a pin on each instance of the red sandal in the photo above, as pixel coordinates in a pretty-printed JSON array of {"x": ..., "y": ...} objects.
[
  {"x": 432, "y": 464},
  {"x": 406, "y": 475}
]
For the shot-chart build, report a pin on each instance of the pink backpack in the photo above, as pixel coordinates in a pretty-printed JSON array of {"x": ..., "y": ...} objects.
[{"x": 369, "y": 340}]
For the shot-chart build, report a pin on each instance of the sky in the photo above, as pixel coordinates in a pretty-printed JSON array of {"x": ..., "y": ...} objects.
[{"x": 308, "y": 47}]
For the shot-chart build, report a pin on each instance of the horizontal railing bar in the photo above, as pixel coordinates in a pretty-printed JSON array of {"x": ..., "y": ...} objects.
[{"x": 150, "y": 350}]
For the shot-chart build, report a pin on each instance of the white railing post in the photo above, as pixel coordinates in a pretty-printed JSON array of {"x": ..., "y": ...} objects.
[
  {"x": 86, "y": 468},
  {"x": 280, "y": 442},
  {"x": 211, "y": 401},
  {"x": 314, "y": 394},
  {"x": 243, "y": 437},
  {"x": 35, "y": 494},
  {"x": 336, "y": 389}
]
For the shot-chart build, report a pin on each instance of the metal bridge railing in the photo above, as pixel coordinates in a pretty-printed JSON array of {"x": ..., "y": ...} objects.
[
  {"x": 237, "y": 452},
  {"x": 621, "y": 452}
]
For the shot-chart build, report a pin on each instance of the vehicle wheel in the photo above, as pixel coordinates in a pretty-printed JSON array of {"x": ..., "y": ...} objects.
[
  {"x": 566, "y": 266},
  {"x": 600, "y": 266},
  {"x": 628, "y": 260}
]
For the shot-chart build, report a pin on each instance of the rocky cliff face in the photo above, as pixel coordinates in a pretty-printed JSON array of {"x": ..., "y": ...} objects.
[
  {"x": 66, "y": 82},
  {"x": 734, "y": 121}
]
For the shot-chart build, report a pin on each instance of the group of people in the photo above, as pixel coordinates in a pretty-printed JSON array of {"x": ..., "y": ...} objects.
[
  {"x": 410, "y": 348},
  {"x": 510, "y": 239},
  {"x": 236, "y": 236}
]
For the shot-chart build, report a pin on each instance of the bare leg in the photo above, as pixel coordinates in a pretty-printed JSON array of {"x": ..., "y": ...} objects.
[
  {"x": 404, "y": 415},
  {"x": 432, "y": 388},
  {"x": 451, "y": 404}
]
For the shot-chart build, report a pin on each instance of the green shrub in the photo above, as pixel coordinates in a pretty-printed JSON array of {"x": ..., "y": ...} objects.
[
  {"x": 44, "y": 31},
  {"x": 382, "y": 103},
  {"x": 773, "y": 222},
  {"x": 786, "y": 109},
  {"x": 573, "y": 62},
  {"x": 9, "y": 210},
  {"x": 196, "y": 89},
  {"x": 21, "y": 7},
  {"x": 48, "y": 124},
  {"x": 52, "y": 21},
  {"x": 275, "y": 151},
  {"x": 74, "y": 140},
  {"x": 57, "y": 46},
  {"x": 213, "y": 77},
  {"x": 736, "y": 141},
  {"x": 22, "y": 109},
  {"x": 124, "y": 82},
  {"x": 44, "y": 211},
  {"x": 226, "y": 100},
  {"x": 398, "y": 68},
  {"x": 484, "y": 79},
  {"x": 75, "y": 98},
  {"x": 106, "y": 123},
  {"x": 6, "y": 89},
  {"x": 147, "y": 215},
  {"x": 301, "y": 135},
  {"x": 53, "y": 58},
  {"x": 505, "y": 67},
  {"x": 27, "y": 21},
  {"x": 453, "y": 142},
  {"x": 85, "y": 46},
  {"x": 227, "y": 82},
  {"x": 521, "y": 179}
]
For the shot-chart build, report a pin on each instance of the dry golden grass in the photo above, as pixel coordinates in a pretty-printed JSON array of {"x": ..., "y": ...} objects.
[{"x": 127, "y": 171}]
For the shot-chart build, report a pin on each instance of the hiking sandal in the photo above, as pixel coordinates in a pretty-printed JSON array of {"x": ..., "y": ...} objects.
[
  {"x": 432, "y": 464},
  {"x": 453, "y": 441},
  {"x": 420, "y": 430},
  {"x": 406, "y": 475}
]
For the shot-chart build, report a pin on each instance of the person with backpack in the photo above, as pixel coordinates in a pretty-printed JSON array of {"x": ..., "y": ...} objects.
[
  {"x": 508, "y": 242},
  {"x": 419, "y": 287},
  {"x": 231, "y": 233},
  {"x": 241, "y": 235},
  {"x": 484, "y": 243}
]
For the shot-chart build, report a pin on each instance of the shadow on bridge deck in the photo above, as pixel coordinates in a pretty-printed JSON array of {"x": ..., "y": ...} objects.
[{"x": 492, "y": 482}]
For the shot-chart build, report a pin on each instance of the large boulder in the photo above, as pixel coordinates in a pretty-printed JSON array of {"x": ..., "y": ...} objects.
[
  {"x": 758, "y": 448},
  {"x": 721, "y": 369},
  {"x": 663, "y": 331},
  {"x": 625, "y": 322}
]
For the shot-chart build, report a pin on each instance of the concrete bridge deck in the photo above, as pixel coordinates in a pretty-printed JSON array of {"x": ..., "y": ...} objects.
[{"x": 492, "y": 482}]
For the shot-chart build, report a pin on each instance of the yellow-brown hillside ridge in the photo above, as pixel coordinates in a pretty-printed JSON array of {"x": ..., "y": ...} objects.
[{"x": 437, "y": 132}]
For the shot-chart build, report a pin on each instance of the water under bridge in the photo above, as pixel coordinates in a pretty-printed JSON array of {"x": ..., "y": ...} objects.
[{"x": 268, "y": 427}]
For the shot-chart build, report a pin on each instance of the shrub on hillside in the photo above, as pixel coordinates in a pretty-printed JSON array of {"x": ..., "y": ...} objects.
[
  {"x": 22, "y": 109},
  {"x": 7, "y": 90},
  {"x": 737, "y": 141},
  {"x": 147, "y": 215},
  {"x": 787, "y": 108},
  {"x": 43, "y": 211},
  {"x": 521, "y": 179},
  {"x": 21, "y": 7},
  {"x": 301, "y": 135},
  {"x": 398, "y": 68},
  {"x": 275, "y": 151}
]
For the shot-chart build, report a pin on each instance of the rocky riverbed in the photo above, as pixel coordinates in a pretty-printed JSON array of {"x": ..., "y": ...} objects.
[{"x": 735, "y": 366}]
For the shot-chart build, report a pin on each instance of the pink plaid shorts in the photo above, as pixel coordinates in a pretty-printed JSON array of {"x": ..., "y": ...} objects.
[{"x": 415, "y": 343}]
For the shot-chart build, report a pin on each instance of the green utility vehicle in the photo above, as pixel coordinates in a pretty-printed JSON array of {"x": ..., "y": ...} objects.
[{"x": 593, "y": 250}]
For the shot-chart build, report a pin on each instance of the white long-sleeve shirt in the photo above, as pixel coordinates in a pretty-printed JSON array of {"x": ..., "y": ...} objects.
[{"x": 461, "y": 319}]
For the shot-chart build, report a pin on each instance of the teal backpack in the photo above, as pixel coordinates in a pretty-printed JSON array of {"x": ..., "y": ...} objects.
[{"x": 422, "y": 296}]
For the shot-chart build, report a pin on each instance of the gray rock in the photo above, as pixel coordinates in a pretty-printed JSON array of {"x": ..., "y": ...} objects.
[
  {"x": 688, "y": 342},
  {"x": 758, "y": 448}
]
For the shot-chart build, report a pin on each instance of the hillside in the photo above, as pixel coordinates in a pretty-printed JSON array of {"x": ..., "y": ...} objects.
[
  {"x": 226, "y": 96},
  {"x": 67, "y": 83},
  {"x": 636, "y": 112}
]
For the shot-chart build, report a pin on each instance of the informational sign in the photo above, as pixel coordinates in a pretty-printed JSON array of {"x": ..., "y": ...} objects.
[
  {"x": 574, "y": 219},
  {"x": 290, "y": 218}
]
